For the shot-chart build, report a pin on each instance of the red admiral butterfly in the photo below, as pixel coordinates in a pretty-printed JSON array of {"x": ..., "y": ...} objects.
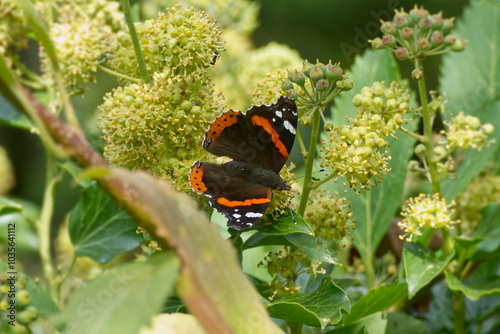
[{"x": 259, "y": 142}]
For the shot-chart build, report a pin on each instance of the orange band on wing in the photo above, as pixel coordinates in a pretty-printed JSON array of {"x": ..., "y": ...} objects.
[
  {"x": 266, "y": 125},
  {"x": 225, "y": 120},
  {"x": 195, "y": 176},
  {"x": 248, "y": 202}
]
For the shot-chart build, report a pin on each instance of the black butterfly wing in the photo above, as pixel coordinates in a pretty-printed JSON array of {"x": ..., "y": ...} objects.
[
  {"x": 276, "y": 126},
  {"x": 263, "y": 136},
  {"x": 231, "y": 192}
]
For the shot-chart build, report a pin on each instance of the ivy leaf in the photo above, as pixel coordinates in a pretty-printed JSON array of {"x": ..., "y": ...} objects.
[
  {"x": 322, "y": 307},
  {"x": 285, "y": 224},
  {"x": 40, "y": 298},
  {"x": 305, "y": 242},
  {"x": 475, "y": 289},
  {"x": 9, "y": 206},
  {"x": 99, "y": 228},
  {"x": 489, "y": 231},
  {"x": 376, "y": 300},
  {"x": 474, "y": 87},
  {"x": 123, "y": 299},
  {"x": 10, "y": 116},
  {"x": 422, "y": 266},
  {"x": 373, "y": 210},
  {"x": 382, "y": 323}
]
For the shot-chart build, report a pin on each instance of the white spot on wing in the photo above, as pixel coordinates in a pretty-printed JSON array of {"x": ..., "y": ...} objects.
[
  {"x": 289, "y": 126},
  {"x": 253, "y": 214},
  {"x": 279, "y": 113},
  {"x": 236, "y": 215},
  {"x": 274, "y": 119}
]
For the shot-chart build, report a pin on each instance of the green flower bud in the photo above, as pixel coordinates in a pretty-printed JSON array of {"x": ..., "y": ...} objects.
[
  {"x": 423, "y": 43},
  {"x": 407, "y": 33},
  {"x": 401, "y": 53},
  {"x": 287, "y": 85},
  {"x": 417, "y": 74},
  {"x": 28, "y": 316},
  {"x": 450, "y": 40},
  {"x": 437, "y": 38},
  {"x": 315, "y": 74},
  {"x": 357, "y": 100},
  {"x": 437, "y": 21},
  {"x": 298, "y": 78},
  {"x": 322, "y": 84},
  {"x": 387, "y": 27},
  {"x": 448, "y": 25},
  {"x": 420, "y": 150},
  {"x": 305, "y": 121},
  {"x": 376, "y": 43},
  {"x": 458, "y": 46},
  {"x": 488, "y": 128},
  {"x": 328, "y": 127},
  {"x": 401, "y": 21},
  {"x": 389, "y": 41},
  {"x": 333, "y": 72}
]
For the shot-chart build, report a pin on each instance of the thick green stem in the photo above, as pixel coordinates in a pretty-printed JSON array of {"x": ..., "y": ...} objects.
[
  {"x": 368, "y": 255},
  {"x": 458, "y": 312},
  {"x": 306, "y": 189},
  {"x": 135, "y": 41},
  {"x": 295, "y": 328},
  {"x": 427, "y": 123},
  {"x": 44, "y": 226}
]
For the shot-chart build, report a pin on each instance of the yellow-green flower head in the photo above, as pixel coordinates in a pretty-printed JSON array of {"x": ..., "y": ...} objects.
[
  {"x": 270, "y": 88},
  {"x": 13, "y": 30},
  {"x": 258, "y": 62},
  {"x": 467, "y": 132},
  {"x": 382, "y": 107},
  {"x": 7, "y": 178},
  {"x": 425, "y": 211},
  {"x": 158, "y": 128},
  {"x": 353, "y": 153},
  {"x": 483, "y": 190},
  {"x": 181, "y": 41},
  {"x": 330, "y": 218},
  {"x": 284, "y": 266},
  {"x": 84, "y": 31}
]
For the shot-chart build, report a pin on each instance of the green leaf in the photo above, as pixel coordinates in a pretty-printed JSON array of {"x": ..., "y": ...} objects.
[
  {"x": 322, "y": 307},
  {"x": 470, "y": 80},
  {"x": 9, "y": 116},
  {"x": 466, "y": 244},
  {"x": 123, "y": 299},
  {"x": 373, "y": 210},
  {"x": 285, "y": 225},
  {"x": 421, "y": 266},
  {"x": 376, "y": 300},
  {"x": 489, "y": 231},
  {"x": 40, "y": 298},
  {"x": 305, "y": 242},
  {"x": 9, "y": 206},
  {"x": 384, "y": 323},
  {"x": 75, "y": 172},
  {"x": 475, "y": 289},
  {"x": 99, "y": 228}
]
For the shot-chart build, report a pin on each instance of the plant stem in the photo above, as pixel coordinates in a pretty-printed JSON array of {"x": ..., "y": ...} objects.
[
  {"x": 117, "y": 74},
  {"x": 426, "y": 118},
  {"x": 295, "y": 328},
  {"x": 135, "y": 41},
  {"x": 44, "y": 226},
  {"x": 63, "y": 278},
  {"x": 301, "y": 144},
  {"x": 458, "y": 312},
  {"x": 368, "y": 255},
  {"x": 306, "y": 189}
]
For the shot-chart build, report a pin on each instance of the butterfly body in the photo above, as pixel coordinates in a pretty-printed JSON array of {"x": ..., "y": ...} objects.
[{"x": 259, "y": 142}]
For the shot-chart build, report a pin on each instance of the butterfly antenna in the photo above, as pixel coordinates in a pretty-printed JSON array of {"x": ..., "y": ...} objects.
[{"x": 318, "y": 171}]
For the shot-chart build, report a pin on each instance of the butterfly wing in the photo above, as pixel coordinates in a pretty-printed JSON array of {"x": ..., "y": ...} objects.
[
  {"x": 263, "y": 136},
  {"x": 242, "y": 201}
]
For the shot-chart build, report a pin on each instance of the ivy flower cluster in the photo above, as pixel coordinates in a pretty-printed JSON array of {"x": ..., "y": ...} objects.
[
  {"x": 26, "y": 311},
  {"x": 158, "y": 127},
  {"x": 83, "y": 33},
  {"x": 353, "y": 151},
  {"x": 179, "y": 42},
  {"x": 13, "y": 27},
  {"x": 466, "y": 132},
  {"x": 285, "y": 266},
  {"x": 314, "y": 87},
  {"x": 418, "y": 34},
  {"x": 425, "y": 211},
  {"x": 483, "y": 190},
  {"x": 330, "y": 218}
]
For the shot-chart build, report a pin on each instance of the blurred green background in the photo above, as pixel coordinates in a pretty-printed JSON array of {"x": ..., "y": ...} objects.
[{"x": 319, "y": 29}]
